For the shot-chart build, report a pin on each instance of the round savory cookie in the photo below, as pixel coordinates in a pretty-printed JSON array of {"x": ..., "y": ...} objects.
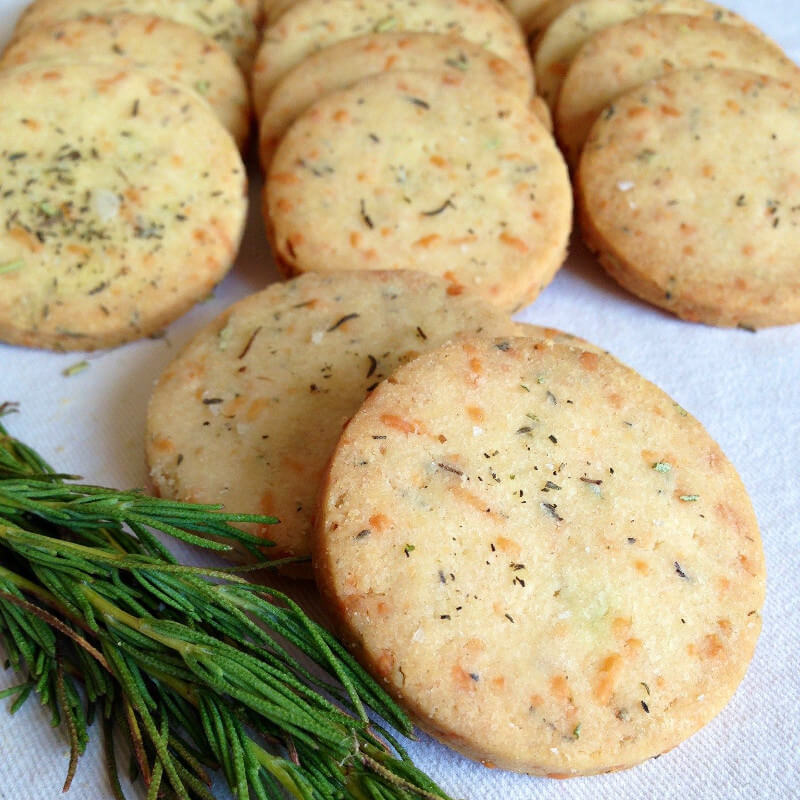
[
  {"x": 229, "y": 22},
  {"x": 413, "y": 170},
  {"x": 111, "y": 229},
  {"x": 627, "y": 55},
  {"x": 346, "y": 62},
  {"x": 541, "y": 111},
  {"x": 174, "y": 51},
  {"x": 551, "y": 565},
  {"x": 686, "y": 212},
  {"x": 566, "y": 34},
  {"x": 251, "y": 410},
  {"x": 553, "y": 336},
  {"x": 311, "y": 25}
]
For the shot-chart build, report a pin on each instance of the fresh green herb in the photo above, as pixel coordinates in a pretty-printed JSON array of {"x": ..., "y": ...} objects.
[
  {"x": 75, "y": 369},
  {"x": 690, "y": 498},
  {"x": 224, "y": 337},
  {"x": 408, "y": 549},
  {"x": 202, "y": 86},
  {"x": 198, "y": 668},
  {"x": 662, "y": 466},
  {"x": 576, "y": 732},
  {"x": 385, "y": 24},
  {"x": 11, "y": 266}
]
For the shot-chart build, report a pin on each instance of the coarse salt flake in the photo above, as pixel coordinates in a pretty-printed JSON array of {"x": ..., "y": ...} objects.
[
  {"x": 625, "y": 186},
  {"x": 106, "y": 204}
]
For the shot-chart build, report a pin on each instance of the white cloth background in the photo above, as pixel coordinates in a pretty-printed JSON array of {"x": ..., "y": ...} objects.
[{"x": 744, "y": 387}]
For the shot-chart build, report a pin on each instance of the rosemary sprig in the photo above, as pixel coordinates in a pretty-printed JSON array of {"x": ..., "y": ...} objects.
[{"x": 202, "y": 669}]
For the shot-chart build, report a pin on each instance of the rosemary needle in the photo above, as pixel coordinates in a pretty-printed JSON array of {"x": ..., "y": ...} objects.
[{"x": 201, "y": 669}]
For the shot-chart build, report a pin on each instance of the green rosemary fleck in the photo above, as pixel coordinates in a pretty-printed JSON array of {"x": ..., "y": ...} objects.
[
  {"x": 200, "y": 669},
  {"x": 11, "y": 266},
  {"x": 75, "y": 369}
]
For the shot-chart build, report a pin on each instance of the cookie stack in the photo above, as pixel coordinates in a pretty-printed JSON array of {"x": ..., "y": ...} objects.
[
  {"x": 123, "y": 191},
  {"x": 651, "y": 101},
  {"x": 401, "y": 135}
]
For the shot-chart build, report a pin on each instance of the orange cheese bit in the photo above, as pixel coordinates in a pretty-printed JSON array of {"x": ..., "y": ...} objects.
[{"x": 608, "y": 676}]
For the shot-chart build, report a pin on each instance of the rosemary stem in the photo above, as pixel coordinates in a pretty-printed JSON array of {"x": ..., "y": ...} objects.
[
  {"x": 24, "y": 585},
  {"x": 275, "y": 766},
  {"x": 117, "y": 615}
]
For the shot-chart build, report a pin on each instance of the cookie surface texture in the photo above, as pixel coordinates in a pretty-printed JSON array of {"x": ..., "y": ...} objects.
[
  {"x": 625, "y": 56},
  {"x": 544, "y": 558},
  {"x": 688, "y": 214},
  {"x": 111, "y": 230},
  {"x": 404, "y": 170},
  {"x": 250, "y": 412},
  {"x": 525, "y": 10},
  {"x": 175, "y": 51},
  {"x": 228, "y": 22},
  {"x": 345, "y": 63},
  {"x": 311, "y": 25},
  {"x": 566, "y": 34}
]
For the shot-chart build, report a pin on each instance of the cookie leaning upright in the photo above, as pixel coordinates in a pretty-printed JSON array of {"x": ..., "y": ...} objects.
[
  {"x": 627, "y": 55},
  {"x": 311, "y": 25},
  {"x": 122, "y": 204},
  {"x": 689, "y": 193},
  {"x": 346, "y": 62},
  {"x": 410, "y": 170},
  {"x": 249, "y": 413},
  {"x": 175, "y": 51},
  {"x": 561, "y": 40},
  {"x": 543, "y": 557},
  {"x": 230, "y": 23}
]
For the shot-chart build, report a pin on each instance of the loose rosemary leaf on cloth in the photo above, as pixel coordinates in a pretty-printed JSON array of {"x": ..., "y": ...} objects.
[{"x": 200, "y": 669}]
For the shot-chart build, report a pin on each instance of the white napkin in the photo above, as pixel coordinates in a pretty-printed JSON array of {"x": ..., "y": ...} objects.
[{"x": 744, "y": 387}]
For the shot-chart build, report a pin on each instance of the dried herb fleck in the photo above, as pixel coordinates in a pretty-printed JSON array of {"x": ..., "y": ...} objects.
[
  {"x": 342, "y": 320},
  {"x": 75, "y": 369},
  {"x": 550, "y": 508}
]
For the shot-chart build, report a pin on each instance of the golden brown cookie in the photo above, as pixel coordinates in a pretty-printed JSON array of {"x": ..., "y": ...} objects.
[
  {"x": 311, "y": 25},
  {"x": 627, "y": 55},
  {"x": 541, "y": 555},
  {"x": 688, "y": 213},
  {"x": 407, "y": 170},
  {"x": 123, "y": 202},
  {"x": 348, "y": 61},
  {"x": 577, "y": 22},
  {"x": 249, "y": 413},
  {"x": 174, "y": 51},
  {"x": 229, "y": 22}
]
